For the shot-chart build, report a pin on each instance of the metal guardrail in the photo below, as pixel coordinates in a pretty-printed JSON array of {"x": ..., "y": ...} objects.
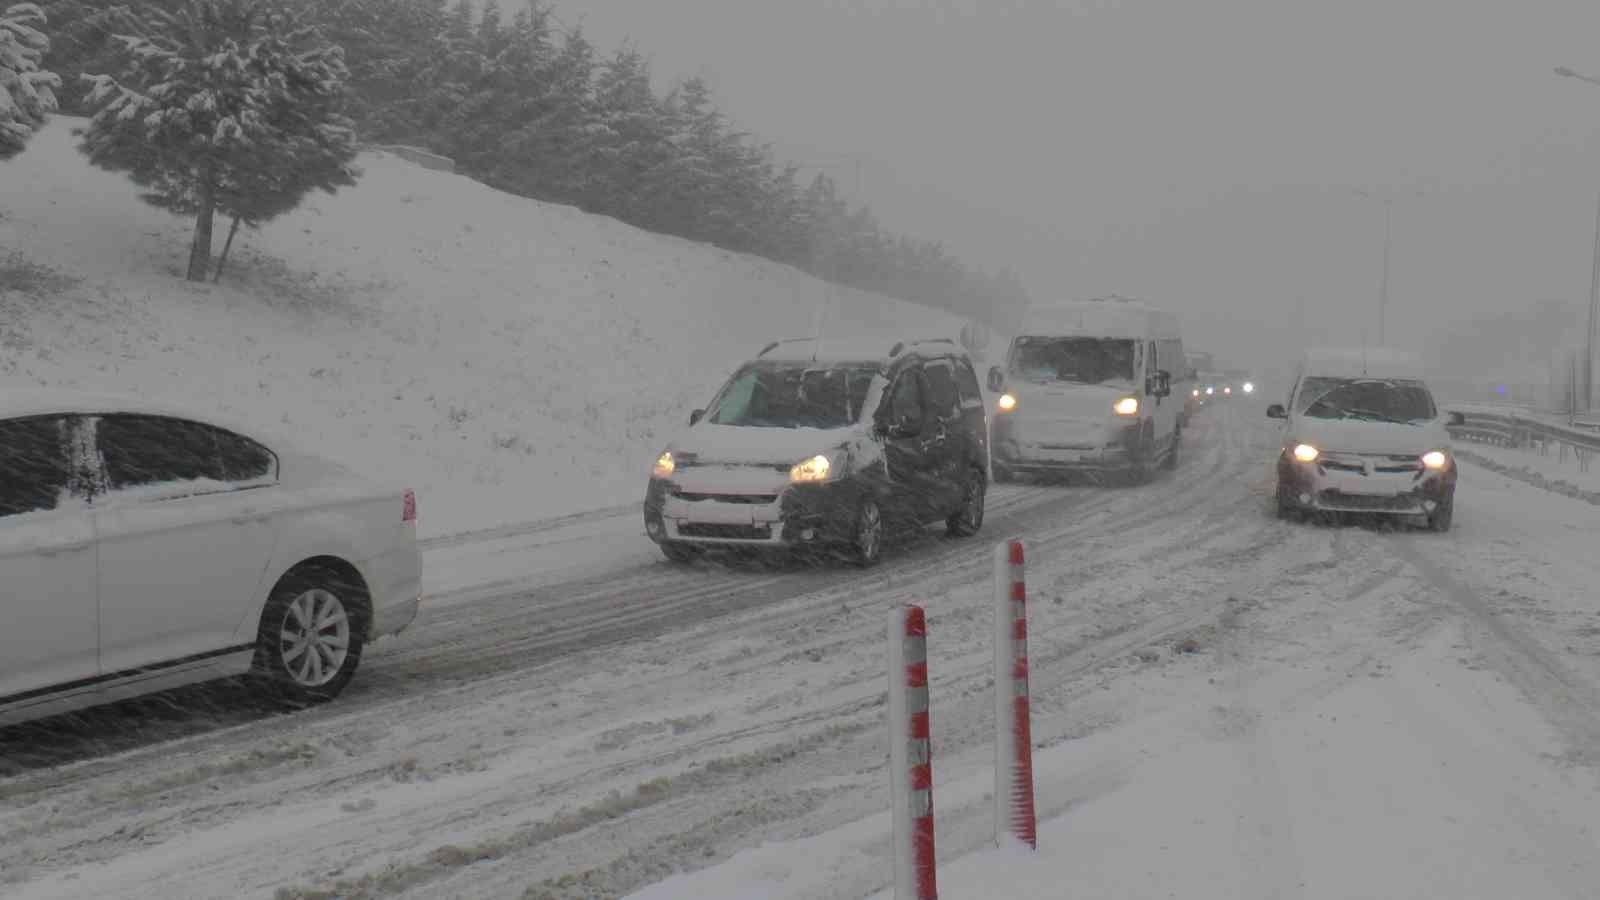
[{"x": 1522, "y": 429}]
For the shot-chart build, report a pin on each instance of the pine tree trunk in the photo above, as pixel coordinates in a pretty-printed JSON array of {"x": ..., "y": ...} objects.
[
  {"x": 222, "y": 261},
  {"x": 200, "y": 251}
]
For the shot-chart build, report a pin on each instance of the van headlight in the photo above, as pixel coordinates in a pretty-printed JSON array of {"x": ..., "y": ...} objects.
[
  {"x": 817, "y": 468},
  {"x": 1306, "y": 453},
  {"x": 665, "y": 466},
  {"x": 1127, "y": 406},
  {"x": 1435, "y": 459}
]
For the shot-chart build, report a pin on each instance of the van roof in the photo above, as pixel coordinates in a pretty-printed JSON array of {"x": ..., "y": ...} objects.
[
  {"x": 1101, "y": 318},
  {"x": 1354, "y": 362}
]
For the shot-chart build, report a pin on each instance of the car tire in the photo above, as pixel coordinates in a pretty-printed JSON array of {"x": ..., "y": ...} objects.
[
  {"x": 1288, "y": 507},
  {"x": 681, "y": 554},
  {"x": 967, "y": 520},
  {"x": 1171, "y": 462},
  {"x": 1440, "y": 519},
  {"x": 866, "y": 541},
  {"x": 311, "y": 636}
]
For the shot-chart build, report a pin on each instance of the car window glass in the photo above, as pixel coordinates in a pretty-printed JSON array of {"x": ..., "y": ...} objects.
[
  {"x": 35, "y": 473},
  {"x": 149, "y": 450},
  {"x": 967, "y": 382},
  {"x": 906, "y": 402},
  {"x": 242, "y": 459},
  {"x": 944, "y": 399}
]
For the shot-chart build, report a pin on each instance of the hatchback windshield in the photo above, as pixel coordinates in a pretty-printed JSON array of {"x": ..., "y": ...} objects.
[
  {"x": 1084, "y": 360},
  {"x": 1372, "y": 399},
  {"x": 794, "y": 395}
]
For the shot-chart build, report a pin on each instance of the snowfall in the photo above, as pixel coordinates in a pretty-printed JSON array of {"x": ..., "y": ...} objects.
[{"x": 1225, "y": 705}]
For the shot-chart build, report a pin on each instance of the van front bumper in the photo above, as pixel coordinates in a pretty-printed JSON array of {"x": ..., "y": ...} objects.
[
  {"x": 1044, "y": 457},
  {"x": 794, "y": 516}
]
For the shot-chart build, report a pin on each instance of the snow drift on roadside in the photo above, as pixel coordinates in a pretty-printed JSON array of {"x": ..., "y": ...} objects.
[{"x": 510, "y": 359}]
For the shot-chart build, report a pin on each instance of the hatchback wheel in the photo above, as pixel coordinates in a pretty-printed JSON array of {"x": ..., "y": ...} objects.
[
  {"x": 679, "y": 553},
  {"x": 966, "y": 521},
  {"x": 867, "y": 547},
  {"x": 311, "y": 637},
  {"x": 1439, "y": 520}
]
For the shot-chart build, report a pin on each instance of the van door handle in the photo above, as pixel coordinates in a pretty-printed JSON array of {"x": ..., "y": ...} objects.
[{"x": 64, "y": 548}]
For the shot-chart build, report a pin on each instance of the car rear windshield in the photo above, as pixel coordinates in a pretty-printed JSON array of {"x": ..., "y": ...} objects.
[
  {"x": 1370, "y": 399},
  {"x": 794, "y": 395},
  {"x": 1083, "y": 360}
]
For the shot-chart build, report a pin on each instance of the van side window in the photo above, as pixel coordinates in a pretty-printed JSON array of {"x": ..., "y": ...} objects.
[
  {"x": 905, "y": 404},
  {"x": 944, "y": 400},
  {"x": 967, "y": 382}
]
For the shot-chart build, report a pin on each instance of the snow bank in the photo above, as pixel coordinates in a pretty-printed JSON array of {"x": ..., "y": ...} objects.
[
  {"x": 1425, "y": 779},
  {"x": 511, "y": 360}
]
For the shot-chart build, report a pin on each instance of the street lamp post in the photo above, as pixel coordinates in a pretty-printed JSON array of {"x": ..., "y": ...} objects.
[
  {"x": 1387, "y": 199},
  {"x": 1594, "y": 280}
]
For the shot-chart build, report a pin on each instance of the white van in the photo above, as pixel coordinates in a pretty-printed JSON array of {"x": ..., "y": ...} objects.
[{"x": 1088, "y": 386}]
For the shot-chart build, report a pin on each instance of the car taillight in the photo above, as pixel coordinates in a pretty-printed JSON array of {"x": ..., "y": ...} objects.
[{"x": 408, "y": 511}]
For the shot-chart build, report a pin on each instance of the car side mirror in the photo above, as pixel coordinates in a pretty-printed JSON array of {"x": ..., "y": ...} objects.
[
  {"x": 1457, "y": 419},
  {"x": 1276, "y": 411},
  {"x": 696, "y": 416},
  {"x": 997, "y": 379}
]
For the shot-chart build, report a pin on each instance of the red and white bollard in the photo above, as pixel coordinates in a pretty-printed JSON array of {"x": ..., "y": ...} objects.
[
  {"x": 911, "y": 755},
  {"x": 1013, "y": 770}
]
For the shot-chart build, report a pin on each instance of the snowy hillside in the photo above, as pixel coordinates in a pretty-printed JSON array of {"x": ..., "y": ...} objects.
[{"x": 509, "y": 359}]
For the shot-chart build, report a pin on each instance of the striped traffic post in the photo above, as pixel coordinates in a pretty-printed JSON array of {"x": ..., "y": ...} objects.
[
  {"x": 910, "y": 755},
  {"x": 1013, "y": 770}
]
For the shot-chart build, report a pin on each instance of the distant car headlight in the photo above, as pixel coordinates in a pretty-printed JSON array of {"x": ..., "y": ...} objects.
[
  {"x": 1007, "y": 403},
  {"x": 1210, "y": 391},
  {"x": 665, "y": 466},
  {"x": 1249, "y": 388},
  {"x": 1227, "y": 390},
  {"x": 1306, "y": 453},
  {"x": 817, "y": 468},
  {"x": 1127, "y": 406},
  {"x": 1196, "y": 392},
  {"x": 1435, "y": 459}
]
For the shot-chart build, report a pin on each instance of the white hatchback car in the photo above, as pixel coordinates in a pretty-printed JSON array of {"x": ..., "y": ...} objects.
[{"x": 142, "y": 549}]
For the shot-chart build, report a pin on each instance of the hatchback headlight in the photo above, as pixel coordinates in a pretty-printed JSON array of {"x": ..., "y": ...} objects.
[
  {"x": 1127, "y": 406},
  {"x": 1306, "y": 453},
  {"x": 1435, "y": 459},
  {"x": 817, "y": 468},
  {"x": 665, "y": 466}
]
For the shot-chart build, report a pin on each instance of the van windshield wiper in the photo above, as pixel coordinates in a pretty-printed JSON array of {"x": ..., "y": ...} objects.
[{"x": 1374, "y": 415}]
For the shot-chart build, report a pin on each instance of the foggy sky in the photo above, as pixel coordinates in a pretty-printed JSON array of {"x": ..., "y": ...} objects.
[{"x": 1200, "y": 154}]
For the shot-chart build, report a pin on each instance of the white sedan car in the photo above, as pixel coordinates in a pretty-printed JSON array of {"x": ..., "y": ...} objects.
[{"x": 142, "y": 549}]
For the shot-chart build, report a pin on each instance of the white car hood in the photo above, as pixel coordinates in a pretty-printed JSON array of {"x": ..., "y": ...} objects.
[
  {"x": 1358, "y": 436},
  {"x": 758, "y": 446}
]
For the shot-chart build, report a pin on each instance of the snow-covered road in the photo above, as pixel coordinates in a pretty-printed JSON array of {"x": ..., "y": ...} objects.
[{"x": 572, "y": 717}]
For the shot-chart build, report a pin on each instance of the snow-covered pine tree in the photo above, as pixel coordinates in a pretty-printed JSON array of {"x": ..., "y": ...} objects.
[
  {"x": 27, "y": 93},
  {"x": 223, "y": 105}
]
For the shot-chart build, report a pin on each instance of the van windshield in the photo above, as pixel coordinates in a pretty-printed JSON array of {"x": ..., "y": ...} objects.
[
  {"x": 1082, "y": 360},
  {"x": 794, "y": 395},
  {"x": 1401, "y": 401}
]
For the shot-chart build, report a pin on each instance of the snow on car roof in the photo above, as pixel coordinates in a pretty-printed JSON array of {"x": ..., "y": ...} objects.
[
  {"x": 1100, "y": 318},
  {"x": 1355, "y": 362},
  {"x": 839, "y": 350}
]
